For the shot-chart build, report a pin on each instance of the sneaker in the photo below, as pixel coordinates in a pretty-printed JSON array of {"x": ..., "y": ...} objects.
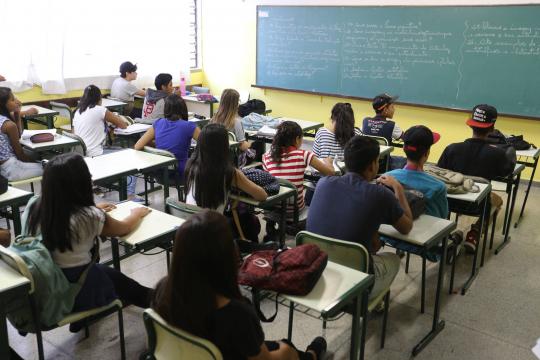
[
  {"x": 471, "y": 241},
  {"x": 136, "y": 198},
  {"x": 318, "y": 346},
  {"x": 454, "y": 242}
]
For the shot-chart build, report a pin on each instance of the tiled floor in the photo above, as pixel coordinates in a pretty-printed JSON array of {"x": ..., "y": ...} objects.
[{"x": 499, "y": 318}]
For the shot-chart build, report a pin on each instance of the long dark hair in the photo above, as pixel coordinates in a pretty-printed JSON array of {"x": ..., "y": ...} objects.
[
  {"x": 66, "y": 188},
  {"x": 204, "y": 265},
  {"x": 210, "y": 169},
  {"x": 343, "y": 118},
  {"x": 286, "y": 135},
  {"x": 5, "y": 96},
  {"x": 175, "y": 108},
  {"x": 90, "y": 98}
]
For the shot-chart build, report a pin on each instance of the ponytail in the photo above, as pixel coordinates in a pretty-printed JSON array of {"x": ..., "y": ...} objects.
[{"x": 343, "y": 117}]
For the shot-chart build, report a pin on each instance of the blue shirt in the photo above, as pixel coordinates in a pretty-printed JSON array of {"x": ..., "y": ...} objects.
[
  {"x": 351, "y": 209},
  {"x": 175, "y": 136},
  {"x": 434, "y": 190}
]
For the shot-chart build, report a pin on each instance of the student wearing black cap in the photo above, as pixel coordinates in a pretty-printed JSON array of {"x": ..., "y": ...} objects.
[
  {"x": 382, "y": 124},
  {"x": 476, "y": 157},
  {"x": 124, "y": 90}
]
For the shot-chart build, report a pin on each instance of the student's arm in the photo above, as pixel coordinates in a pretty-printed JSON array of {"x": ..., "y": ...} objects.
[
  {"x": 405, "y": 223},
  {"x": 285, "y": 352},
  {"x": 196, "y": 133},
  {"x": 12, "y": 132},
  {"x": 244, "y": 145},
  {"x": 113, "y": 227},
  {"x": 140, "y": 92},
  {"x": 397, "y": 132},
  {"x": 243, "y": 183},
  {"x": 324, "y": 167},
  {"x": 146, "y": 139},
  {"x": 115, "y": 120}
]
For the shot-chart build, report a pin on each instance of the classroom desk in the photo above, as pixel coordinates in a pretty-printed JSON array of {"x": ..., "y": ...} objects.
[
  {"x": 60, "y": 143},
  {"x": 533, "y": 154},
  {"x": 270, "y": 204},
  {"x": 512, "y": 186},
  {"x": 14, "y": 289},
  {"x": 105, "y": 171},
  {"x": 203, "y": 108},
  {"x": 337, "y": 288},
  {"x": 113, "y": 105},
  {"x": 308, "y": 128},
  {"x": 456, "y": 204},
  {"x": 156, "y": 229},
  {"x": 15, "y": 198},
  {"x": 43, "y": 117},
  {"x": 427, "y": 232}
]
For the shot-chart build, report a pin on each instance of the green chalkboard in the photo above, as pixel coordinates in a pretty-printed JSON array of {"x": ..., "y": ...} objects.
[{"x": 450, "y": 57}]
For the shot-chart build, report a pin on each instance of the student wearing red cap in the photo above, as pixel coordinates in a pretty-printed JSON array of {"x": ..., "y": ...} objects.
[{"x": 476, "y": 157}]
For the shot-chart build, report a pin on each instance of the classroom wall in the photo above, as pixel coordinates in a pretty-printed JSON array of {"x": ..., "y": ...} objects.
[{"x": 229, "y": 56}]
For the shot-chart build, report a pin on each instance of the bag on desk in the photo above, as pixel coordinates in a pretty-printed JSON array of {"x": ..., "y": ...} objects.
[
  {"x": 456, "y": 183},
  {"x": 41, "y": 137},
  {"x": 416, "y": 201},
  {"x": 252, "y": 106}
]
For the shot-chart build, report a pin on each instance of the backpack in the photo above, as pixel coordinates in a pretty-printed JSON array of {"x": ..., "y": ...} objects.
[
  {"x": 289, "y": 271},
  {"x": 515, "y": 141},
  {"x": 416, "y": 201},
  {"x": 456, "y": 183},
  {"x": 3, "y": 184},
  {"x": 54, "y": 295},
  {"x": 254, "y": 105}
]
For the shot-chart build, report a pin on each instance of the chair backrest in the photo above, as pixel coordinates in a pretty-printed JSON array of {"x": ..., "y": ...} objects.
[
  {"x": 63, "y": 109},
  {"x": 380, "y": 139},
  {"x": 180, "y": 209},
  {"x": 169, "y": 342},
  {"x": 81, "y": 148},
  {"x": 345, "y": 253},
  {"x": 18, "y": 264},
  {"x": 153, "y": 150},
  {"x": 232, "y": 136}
]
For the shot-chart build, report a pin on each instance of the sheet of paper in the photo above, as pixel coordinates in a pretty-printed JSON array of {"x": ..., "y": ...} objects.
[{"x": 133, "y": 129}]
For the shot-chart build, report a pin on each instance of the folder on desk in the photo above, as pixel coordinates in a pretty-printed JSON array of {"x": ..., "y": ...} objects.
[
  {"x": 266, "y": 130},
  {"x": 132, "y": 129}
]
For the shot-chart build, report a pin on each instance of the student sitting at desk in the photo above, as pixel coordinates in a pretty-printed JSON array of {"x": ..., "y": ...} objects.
[
  {"x": 286, "y": 160},
  {"x": 201, "y": 295},
  {"x": 382, "y": 124},
  {"x": 210, "y": 174},
  {"x": 173, "y": 132},
  {"x": 154, "y": 101},
  {"x": 417, "y": 144},
  {"x": 351, "y": 208},
  {"x": 69, "y": 221},
  {"x": 476, "y": 157},
  {"x": 227, "y": 115},
  {"x": 329, "y": 142},
  {"x": 124, "y": 90},
  {"x": 14, "y": 163}
]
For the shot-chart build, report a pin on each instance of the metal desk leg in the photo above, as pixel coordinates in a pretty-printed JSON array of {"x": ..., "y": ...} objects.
[
  {"x": 509, "y": 187},
  {"x": 291, "y": 315},
  {"x": 165, "y": 184},
  {"x": 507, "y": 237},
  {"x": 475, "y": 270},
  {"x": 122, "y": 188},
  {"x": 115, "y": 253},
  {"x": 50, "y": 122},
  {"x": 4, "y": 341},
  {"x": 527, "y": 193},
  {"x": 354, "y": 328},
  {"x": 438, "y": 325},
  {"x": 16, "y": 219},
  {"x": 283, "y": 223}
]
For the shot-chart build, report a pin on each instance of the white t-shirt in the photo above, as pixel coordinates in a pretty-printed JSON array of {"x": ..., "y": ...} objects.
[
  {"x": 123, "y": 90},
  {"x": 91, "y": 127},
  {"x": 190, "y": 200},
  {"x": 86, "y": 225}
]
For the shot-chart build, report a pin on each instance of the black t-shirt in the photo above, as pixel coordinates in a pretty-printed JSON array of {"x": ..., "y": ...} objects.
[
  {"x": 236, "y": 331},
  {"x": 476, "y": 157}
]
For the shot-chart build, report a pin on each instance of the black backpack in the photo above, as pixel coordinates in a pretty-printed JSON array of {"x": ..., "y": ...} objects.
[
  {"x": 515, "y": 141},
  {"x": 254, "y": 105}
]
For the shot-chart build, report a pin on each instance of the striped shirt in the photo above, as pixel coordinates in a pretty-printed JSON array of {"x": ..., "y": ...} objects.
[
  {"x": 292, "y": 167},
  {"x": 326, "y": 144}
]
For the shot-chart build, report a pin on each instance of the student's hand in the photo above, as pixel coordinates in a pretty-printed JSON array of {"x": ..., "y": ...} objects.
[
  {"x": 140, "y": 212},
  {"x": 106, "y": 206},
  {"x": 2, "y": 78},
  {"x": 390, "y": 181},
  {"x": 31, "y": 111},
  {"x": 329, "y": 160}
]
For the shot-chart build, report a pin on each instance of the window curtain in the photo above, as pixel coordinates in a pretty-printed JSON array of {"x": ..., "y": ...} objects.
[{"x": 65, "y": 45}]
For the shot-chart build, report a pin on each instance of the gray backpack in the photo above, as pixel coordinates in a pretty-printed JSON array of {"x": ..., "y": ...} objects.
[{"x": 456, "y": 183}]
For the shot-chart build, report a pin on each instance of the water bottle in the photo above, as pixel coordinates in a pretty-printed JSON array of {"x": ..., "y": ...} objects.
[{"x": 182, "y": 85}]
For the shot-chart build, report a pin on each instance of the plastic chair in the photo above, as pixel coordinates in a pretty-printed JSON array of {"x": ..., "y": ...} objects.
[
  {"x": 352, "y": 255},
  {"x": 81, "y": 148},
  {"x": 64, "y": 111},
  {"x": 169, "y": 342},
  {"x": 180, "y": 209},
  {"x": 18, "y": 264},
  {"x": 172, "y": 168}
]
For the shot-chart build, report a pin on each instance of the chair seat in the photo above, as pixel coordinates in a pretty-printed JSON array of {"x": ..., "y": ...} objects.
[
  {"x": 25, "y": 181},
  {"x": 74, "y": 317}
]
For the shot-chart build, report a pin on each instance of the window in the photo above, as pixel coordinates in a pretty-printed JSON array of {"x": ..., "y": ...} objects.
[{"x": 194, "y": 28}]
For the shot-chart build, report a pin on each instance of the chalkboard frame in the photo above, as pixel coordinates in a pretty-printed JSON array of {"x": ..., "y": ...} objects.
[{"x": 342, "y": 96}]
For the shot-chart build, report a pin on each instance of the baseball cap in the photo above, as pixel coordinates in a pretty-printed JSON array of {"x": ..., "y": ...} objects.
[
  {"x": 483, "y": 116},
  {"x": 127, "y": 67},
  {"x": 383, "y": 100},
  {"x": 419, "y": 137}
]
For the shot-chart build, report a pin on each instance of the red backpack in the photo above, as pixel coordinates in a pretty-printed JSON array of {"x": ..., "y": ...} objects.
[{"x": 290, "y": 271}]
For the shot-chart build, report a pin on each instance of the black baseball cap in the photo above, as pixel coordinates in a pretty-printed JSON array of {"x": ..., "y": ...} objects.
[
  {"x": 483, "y": 116},
  {"x": 127, "y": 67},
  {"x": 383, "y": 100},
  {"x": 419, "y": 138}
]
